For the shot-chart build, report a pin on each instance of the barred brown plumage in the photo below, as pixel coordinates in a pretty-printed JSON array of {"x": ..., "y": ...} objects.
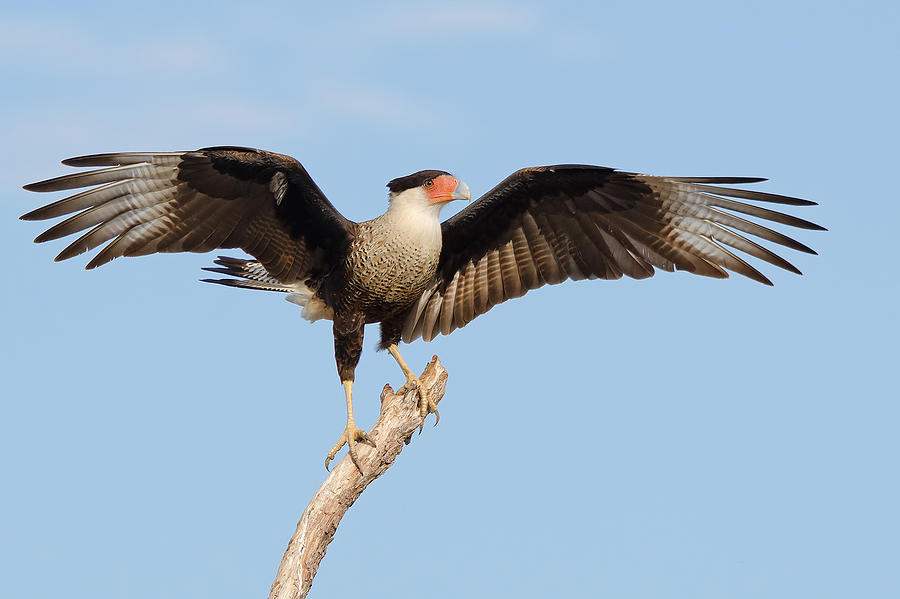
[{"x": 405, "y": 269}]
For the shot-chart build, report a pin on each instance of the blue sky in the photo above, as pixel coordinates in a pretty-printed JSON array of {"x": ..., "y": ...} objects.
[{"x": 674, "y": 437}]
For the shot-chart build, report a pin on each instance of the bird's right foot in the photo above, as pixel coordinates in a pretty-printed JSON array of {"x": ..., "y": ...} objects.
[{"x": 349, "y": 438}]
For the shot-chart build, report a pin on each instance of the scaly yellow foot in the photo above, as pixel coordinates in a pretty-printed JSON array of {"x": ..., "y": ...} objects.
[
  {"x": 349, "y": 438},
  {"x": 351, "y": 434},
  {"x": 426, "y": 404}
]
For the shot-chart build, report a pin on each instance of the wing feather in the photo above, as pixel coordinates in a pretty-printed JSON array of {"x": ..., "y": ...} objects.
[
  {"x": 482, "y": 287},
  {"x": 495, "y": 280},
  {"x": 557, "y": 257},
  {"x": 544, "y": 256},
  {"x": 447, "y": 316},
  {"x": 524, "y": 260}
]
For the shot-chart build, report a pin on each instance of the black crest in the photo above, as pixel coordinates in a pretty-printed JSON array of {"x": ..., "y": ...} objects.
[{"x": 413, "y": 180}]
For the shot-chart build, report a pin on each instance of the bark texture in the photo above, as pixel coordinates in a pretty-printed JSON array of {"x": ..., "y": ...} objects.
[{"x": 394, "y": 428}]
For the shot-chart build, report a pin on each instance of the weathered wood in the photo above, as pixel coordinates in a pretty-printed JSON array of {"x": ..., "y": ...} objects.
[{"x": 395, "y": 426}]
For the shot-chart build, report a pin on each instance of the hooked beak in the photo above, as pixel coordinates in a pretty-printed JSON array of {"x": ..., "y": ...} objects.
[
  {"x": 447, "y": 188},
  {"x": 462, "y": 192}
]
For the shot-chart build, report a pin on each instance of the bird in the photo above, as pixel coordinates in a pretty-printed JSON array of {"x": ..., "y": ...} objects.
[{"x": 417, "y": 276}]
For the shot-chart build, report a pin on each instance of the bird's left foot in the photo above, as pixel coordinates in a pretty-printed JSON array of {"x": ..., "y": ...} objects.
[{"x": 426, "y": 404}]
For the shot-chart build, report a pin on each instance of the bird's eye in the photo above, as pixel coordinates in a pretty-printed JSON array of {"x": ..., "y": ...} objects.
[{"x": 429, "y": 184}]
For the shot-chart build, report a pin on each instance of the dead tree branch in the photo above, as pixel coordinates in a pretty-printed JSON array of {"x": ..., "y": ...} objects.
[{"x": 396, "y": 424}]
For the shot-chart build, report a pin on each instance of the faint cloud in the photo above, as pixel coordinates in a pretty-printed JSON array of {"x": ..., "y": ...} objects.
[
  {"x": 378, "y": 105},
  {"x": 460, "y": 20},
  {"x": 75, "y": 49},
  {"x": 585, "y": 47},
  {"x": 38, "y": 39},
  {"x": 178, "y": 56},
  {"x": 156, "y": 126},
  {"x": 413, "y": 22},
  {"x": 241, "y": 116}
]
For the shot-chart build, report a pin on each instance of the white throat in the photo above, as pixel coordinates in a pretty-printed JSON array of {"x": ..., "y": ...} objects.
[{"x": 412, "y": 215}]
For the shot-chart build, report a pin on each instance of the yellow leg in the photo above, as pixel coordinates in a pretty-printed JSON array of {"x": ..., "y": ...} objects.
[
  {"x": 426, "y": 405},
  {"x": 351, "y": 434}
]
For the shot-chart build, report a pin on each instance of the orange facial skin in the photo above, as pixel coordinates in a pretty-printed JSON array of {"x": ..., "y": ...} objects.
[{"x": 441, "y": 188}]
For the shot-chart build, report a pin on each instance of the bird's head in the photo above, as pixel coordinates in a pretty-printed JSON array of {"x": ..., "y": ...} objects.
[{"x": 428, "y": 189}]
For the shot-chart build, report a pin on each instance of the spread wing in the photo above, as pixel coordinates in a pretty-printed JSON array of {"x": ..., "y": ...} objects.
[
  {"x": 545, "y": 225},
  {"x": 222, "y": 197}
]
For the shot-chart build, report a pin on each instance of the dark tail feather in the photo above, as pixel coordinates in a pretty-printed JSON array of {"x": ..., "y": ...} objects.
[{"x": 252, "y": 275}]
